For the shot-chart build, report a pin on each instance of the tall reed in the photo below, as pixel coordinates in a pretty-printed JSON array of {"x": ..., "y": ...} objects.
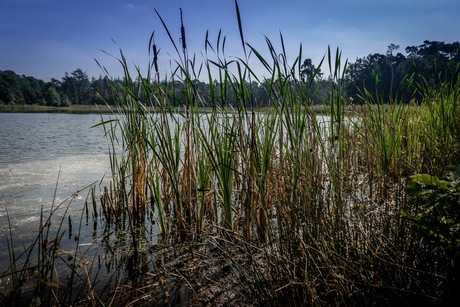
[
  {"x": 47, "y": 270},
  {"x": 306, "y": 208}
]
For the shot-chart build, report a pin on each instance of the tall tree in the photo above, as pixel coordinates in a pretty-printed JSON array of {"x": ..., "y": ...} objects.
[
  {"x": 77, "y": 87},
  {"x": 52, "y": 97},
  {"x": 11, "y": 91},
  {"x": 309, "y": 73},
  {"x": 391, "y": 48}
]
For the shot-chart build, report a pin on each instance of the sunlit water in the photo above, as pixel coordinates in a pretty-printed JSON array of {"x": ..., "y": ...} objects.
[
  {"x": 47, "y": 160},
  {"x": 44, "y": 160}
]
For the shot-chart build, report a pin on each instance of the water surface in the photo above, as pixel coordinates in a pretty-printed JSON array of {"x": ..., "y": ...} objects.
[{"x": 44, "y": 160}]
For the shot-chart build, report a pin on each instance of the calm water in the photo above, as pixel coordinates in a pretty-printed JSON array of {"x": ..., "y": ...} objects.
[
  {"x": 38, "y": 152},
  {"x": 32, "y": 137}
]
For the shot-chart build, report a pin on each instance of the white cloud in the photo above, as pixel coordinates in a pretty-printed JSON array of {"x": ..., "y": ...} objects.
[{"x": 132, "y": 7}]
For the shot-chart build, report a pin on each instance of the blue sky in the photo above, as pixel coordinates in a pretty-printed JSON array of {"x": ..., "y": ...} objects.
[{"x": 46, "y": 38}]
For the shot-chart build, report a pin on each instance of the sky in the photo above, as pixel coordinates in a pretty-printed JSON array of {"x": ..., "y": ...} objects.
[{"x": 47, "y": 38}]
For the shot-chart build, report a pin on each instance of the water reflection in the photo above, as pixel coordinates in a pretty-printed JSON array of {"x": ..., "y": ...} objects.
[
  {"x": 49, "y": 164},
  {"x": 45, "y": 159},
  {"x": 25, "y": 137}
]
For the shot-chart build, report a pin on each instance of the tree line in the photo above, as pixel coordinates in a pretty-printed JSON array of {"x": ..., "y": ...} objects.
[
  {"x": 73, "y": 88},
  {"x": 383, "y": 77},
  {"x": 388, "y": 76}
]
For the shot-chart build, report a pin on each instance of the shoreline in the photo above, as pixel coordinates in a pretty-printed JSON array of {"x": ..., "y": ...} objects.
[
  {"x": 73, "y": 109},
  {"x": 105, "y": 109}
]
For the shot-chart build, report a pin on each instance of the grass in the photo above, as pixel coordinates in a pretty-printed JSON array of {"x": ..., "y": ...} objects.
[
  {"x": 304, "y": 208},
  {"x": 74, "y": 109},
  {"x": 44, "y": 272}
]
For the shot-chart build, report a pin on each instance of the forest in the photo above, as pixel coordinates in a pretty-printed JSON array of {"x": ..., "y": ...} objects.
[{"x": 383, "y": 77}]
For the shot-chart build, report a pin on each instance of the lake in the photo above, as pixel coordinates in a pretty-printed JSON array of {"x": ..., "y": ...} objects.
[{"x": 41, "y": 154}]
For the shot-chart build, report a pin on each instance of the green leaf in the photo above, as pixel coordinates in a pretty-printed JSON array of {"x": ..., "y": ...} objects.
[
  {"x": 414, "y": 189},
  {"x": 425, "y": 179}
]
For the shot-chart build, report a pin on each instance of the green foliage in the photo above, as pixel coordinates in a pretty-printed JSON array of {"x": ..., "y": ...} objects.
[
  {"x": 53, "y": 97},
  {"x": 438, "y": 215},
  {"x": 388, "y": 75},
  {"x": 384, "y": 76},
  {"x": 77, "y": 87},
  {"x": 10, "y": 88},
  {"x": 324, "y": 195}
]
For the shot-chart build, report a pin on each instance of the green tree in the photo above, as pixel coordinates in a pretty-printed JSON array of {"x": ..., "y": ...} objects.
[
  {"x": 437, "y": 61},
  {"x": 376, "y": 74},
  {"x": 77, "y": 87},
  {"x": 10, "y": 91},
  {"x": 309, "y": 73},
  {"x": 391, "y": 62},
  {"x": 52, "y": 97},
  {"x": 101, "y": 89}
]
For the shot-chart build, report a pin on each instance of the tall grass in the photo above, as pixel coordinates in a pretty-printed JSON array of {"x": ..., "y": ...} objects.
[
  {"x": 311, "y": 203},
  {"x": 45, "y": 271}
]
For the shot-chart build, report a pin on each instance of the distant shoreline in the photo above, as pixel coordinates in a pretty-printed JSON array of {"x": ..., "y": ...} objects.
[
  {"x": 104, "y": 109},
  {"x": 73, "y": 109}
]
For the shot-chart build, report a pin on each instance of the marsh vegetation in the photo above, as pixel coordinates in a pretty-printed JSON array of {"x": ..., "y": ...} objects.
[{"x": 358, "y": 207}]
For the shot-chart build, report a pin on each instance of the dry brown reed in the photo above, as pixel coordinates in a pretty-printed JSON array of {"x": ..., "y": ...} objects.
[{"x": 312, "y": 201}]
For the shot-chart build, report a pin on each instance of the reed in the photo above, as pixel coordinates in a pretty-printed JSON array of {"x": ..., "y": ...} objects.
[
  {"x": 323, "y": 194},
  {"x": 43, "y": 271},
  {"x": 440, "y": 114}
]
